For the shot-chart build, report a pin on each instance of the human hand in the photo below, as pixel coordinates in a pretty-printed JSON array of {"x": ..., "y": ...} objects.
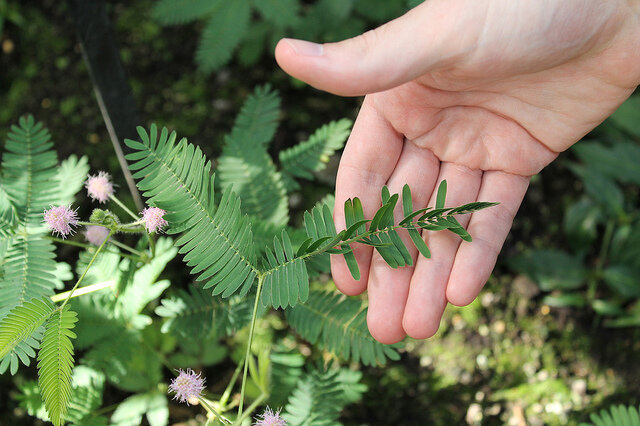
[{"x": 481, "y": 93}]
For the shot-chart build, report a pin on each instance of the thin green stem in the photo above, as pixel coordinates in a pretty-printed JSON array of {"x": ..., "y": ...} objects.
[
  {"x": 90, "y": 224},
  {"x": 213, "y": 410},
  {"x": 600, "y": 262},
  {"x": 123, "y": 207},
  {"x": 227, "y": 392},
  {"x": 88, "y": 246},
  {"x": 127, "y": 248},
  {"x": 248, "y": 353},
  {"x": 95, "y": 255},
  {"x": 251, "y": 408},
  {"x": 130, "y": 224},
  {"x": 137, "y": 218}
]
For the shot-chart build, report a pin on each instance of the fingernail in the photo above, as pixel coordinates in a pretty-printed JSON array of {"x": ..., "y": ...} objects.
[{"x": 305, "y": 48}]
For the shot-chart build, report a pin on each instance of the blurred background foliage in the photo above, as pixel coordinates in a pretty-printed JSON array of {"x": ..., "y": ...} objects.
[{"x": 555, "y": 335}]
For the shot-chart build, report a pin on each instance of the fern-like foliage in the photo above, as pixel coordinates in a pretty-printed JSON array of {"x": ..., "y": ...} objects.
[
  {"x": 171, "y": 12},
  {"x": 287, "y": 281},
  {"x": 22, "y": 321},
  {"x": 8, "y": 217},
  {"x": 222, "y": 33},
  {"x": 55, "y": 362},
  {"x": 338, "y": 324},
  {"x": 29, "y": 263},
  {"x": 22, "y": 352},
  {"x": 29, "y": 170},
  {"x": 71, "y": 175},
  {"x": 245, "y": 164},
  {"x": 195, "y": 314},
  {"x": 31, "y": 181},
  {"x": 217, "y": 242},
  {"x": 320, "y": 396},
  {"x": 616, "y": 415},
  {"x": 282, "y": 13},
  {"x": 312, "y": 155}
]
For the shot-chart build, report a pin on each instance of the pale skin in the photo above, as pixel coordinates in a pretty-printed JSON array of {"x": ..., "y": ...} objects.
[{"x": 482, "y": 93}]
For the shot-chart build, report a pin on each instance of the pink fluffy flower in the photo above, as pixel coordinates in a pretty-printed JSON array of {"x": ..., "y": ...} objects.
[
  {"x": 153, "y": 220},
  {"x": 96, "y": 234},
  {"x": 61, "y": 219},
  {"x": 269, "y": 418},
  {"x": 99, "y": 187},
  {"x": 187, "y": 386}
]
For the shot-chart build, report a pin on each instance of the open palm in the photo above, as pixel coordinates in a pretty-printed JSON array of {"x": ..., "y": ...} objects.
[{"x": 483, "y": 94}]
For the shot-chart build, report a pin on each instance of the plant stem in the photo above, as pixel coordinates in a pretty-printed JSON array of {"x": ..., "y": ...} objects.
[
  {"x": 213, "y": 410},
  {"x": 126, "y": 247},
  {"x": 251, "y": 409},
  {"x": 227, "y": 392},
  {"x": 90, "y": 224},
  {"x": 248, "y": 354},
  {"x": 604, "y": 251},
  {"x": 88, "y": 246},
  {"x": 84, "y": 290},
  {"x": 123, "y": 207},
  {"x": 95, "y": 255}
]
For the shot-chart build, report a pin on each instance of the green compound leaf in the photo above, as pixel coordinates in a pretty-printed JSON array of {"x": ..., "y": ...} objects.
[
  {"x": 222, "y": 33},
  {"x": 286, "y": 281},
  {"x": 28, "y": 271},
  {"x": 282, "y": 13},
  {"x": 338, "y": 325},
  {"x": 320, "y": 396},
  {"x": 22, "y": 321},
  {"x": 217, "y": 242},
  {"x": 245, "y": 164},
  {"x": 175, "y": 12},
  {"x": 29, "y": 170},
  {"x": 55, "y": 362},
  {"x": 616, "y": 415},
  {"x": 313, "y": 154}
]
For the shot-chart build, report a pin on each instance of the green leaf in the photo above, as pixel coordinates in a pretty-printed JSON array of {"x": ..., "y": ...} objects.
[
  {"x": 286, "y": 281},
  {"x": 71, "y": 176},
  {"x": 222, "y": 33},
  {"x": 86, "y": 395},
  {"x": 245, "y": 164},
  {"x": 55, "y": 362},
  {"x": 618, "y": 161},
  {"x": 352, "y": 264},
  {"x": 131, "y": 410},
  {"x": 617, "y": 415},
  {"x": 282, "y": 13},
  {"x": 320, "y": 396},
  {"x": 175, "y": 12},
  {"x": 29, "y": 168},
  {"x": 580, "y": 224},
  {"x": 623, "y": 279},
  {"x": 217, "y": 242},
  {"x": 442, "y": 194},
  {"x": 28, "y": 271},
  {"x": 551, "y": 269},
  {"x": 626, "y": 116},
  {"x": 577, "y": 300},
  {"x": 8, "y": 216},
  {"x": 602, "y": 189},
  {"x": 338, "y": 325},
  {"x": 418, "y": 241},
  {"x": 143, "y": 287},
  {"x": 312, "y": 155},
  {"x": 22, "y": 321}
]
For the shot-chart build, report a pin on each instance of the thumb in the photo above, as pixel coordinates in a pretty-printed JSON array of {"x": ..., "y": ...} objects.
[{"x": 397, "y": 52}]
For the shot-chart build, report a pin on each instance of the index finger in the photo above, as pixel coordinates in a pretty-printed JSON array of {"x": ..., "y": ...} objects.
[{"x": 369, "y": 158}]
